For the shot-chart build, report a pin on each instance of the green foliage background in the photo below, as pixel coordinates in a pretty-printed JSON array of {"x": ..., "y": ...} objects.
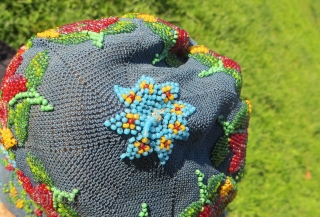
[{"x": 277, "y": 44}]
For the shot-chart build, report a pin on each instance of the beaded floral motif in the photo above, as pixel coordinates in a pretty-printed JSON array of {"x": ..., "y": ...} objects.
[
  {"x": 18, "y": 93},
  {"x": 82, "y": 31},
  {"x": 45, "y": 194},
  {"x": 19, "y": 199},
  {"x": 153, "y": 116},
  {"x": 176, "y": 40},
  {"x": 234, "y": 140},
  {"x": 20, "y": 103},
  {"x": 214, "y": 197},
  {"x": 217, "y": 63}
]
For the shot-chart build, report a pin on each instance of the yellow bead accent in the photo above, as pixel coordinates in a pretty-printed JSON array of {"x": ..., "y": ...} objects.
[
  {"x": 129, "y": 115},
  {"x": 175, "y": 131},
  {"x": 147, "y": 18},
  {"x": 182, "y": 127},
  {"x": 178, "y": 123},
  {"x": 19, "y": 204},
  {"x": 142, "y": 84},
  {"x": 166, "y": 100},
  {"x": 147, "y": 148},
  {"x": 136, "y": 116},
  {"x": 179, "y": 112},
  {"x": 249, "y": 106},
  {"x": 166, "y": 89},
  {"x": 125, "y": 125},
  {"x": 132, "y": 126},
  {"x": 7, "y": 137},
  {"x": 140, "y": 151},
  {"x": 144, "y": 140},
  {"x": 151, "y": 91},
  {"x": 50, "y": 33},
  {"x": 171, "y": 126},
  {"x": 131, "y": 92},
  {"x": 161, "y": 145},
  {"x": 136, "y": 144},
  {"x": 198, "y": 49},
  {"x": 151, "y": 86},
  {"x": 13, "y": 192},
  {"x": 129, "y": 100},
  {"x": 124, "y": 96},
  {"x": 162, "y": 139},
  {"x": 171, "y": 97},
  {"x": 138, "y": 98},
  {"x": 226, "y": 188}
]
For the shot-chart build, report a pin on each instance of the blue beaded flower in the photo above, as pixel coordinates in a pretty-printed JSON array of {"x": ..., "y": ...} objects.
[{"x": 152, "y": 116}]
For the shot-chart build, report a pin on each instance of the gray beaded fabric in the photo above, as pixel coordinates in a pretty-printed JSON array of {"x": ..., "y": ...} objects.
[{"x": 121, "y": 117}]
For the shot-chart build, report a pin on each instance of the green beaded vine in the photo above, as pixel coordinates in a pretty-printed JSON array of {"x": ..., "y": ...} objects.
[
  {"x": 144, "y": 210},
  {"x": 167, "y": 34},
  {"x": 216, "y": 66},
  {"x": 97, "y": 38}
]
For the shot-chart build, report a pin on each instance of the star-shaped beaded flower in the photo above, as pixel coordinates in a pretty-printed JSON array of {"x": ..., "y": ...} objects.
[{"x": 153, "y": 117}]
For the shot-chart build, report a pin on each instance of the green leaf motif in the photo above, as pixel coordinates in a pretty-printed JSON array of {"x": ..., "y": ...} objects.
[
  {"x": 36, "y": 70},
  {"x": 21, "y": 121},
  {"x": 38, "y": 170}
]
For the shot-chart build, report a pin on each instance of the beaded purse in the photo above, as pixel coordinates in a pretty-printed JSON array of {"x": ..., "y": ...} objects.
[{"x": 121, "y": 117}]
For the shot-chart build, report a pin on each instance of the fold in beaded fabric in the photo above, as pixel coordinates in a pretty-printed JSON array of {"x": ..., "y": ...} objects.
[{"x": 121, "y": 117}]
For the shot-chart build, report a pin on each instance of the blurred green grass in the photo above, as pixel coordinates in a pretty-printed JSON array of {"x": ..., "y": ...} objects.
[{"x": 277, "y": 46}]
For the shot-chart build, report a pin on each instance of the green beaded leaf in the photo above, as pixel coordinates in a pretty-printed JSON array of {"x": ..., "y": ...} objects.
[
  {"x": 29, "y": 43},
  {"x": 38, "y": 170},
  {"x": 173, "y": 61},
  {"x": 241, "y": 120},
  {"x": 192, "y": 210},
  {"x": 65, "y": 211},
  {"x": 36, "y": 70},
  {"x": 214, "y": 184},
  {"x": 220, "y": 151},
  {"x": 167, "y": 34},
  {"x": 131, "y": 15},
  {"x": 21, "y": 121},
  {"x": 120, "y": 27},
  {"x": 239, "y": 175},
  {"x": 4, "y": 162},
  {"x": 72, "y": 38},
  {"x": 206, "y": 59},
  {"x": 216, "y": 66},
  {"x": 11, "y": 117}
]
